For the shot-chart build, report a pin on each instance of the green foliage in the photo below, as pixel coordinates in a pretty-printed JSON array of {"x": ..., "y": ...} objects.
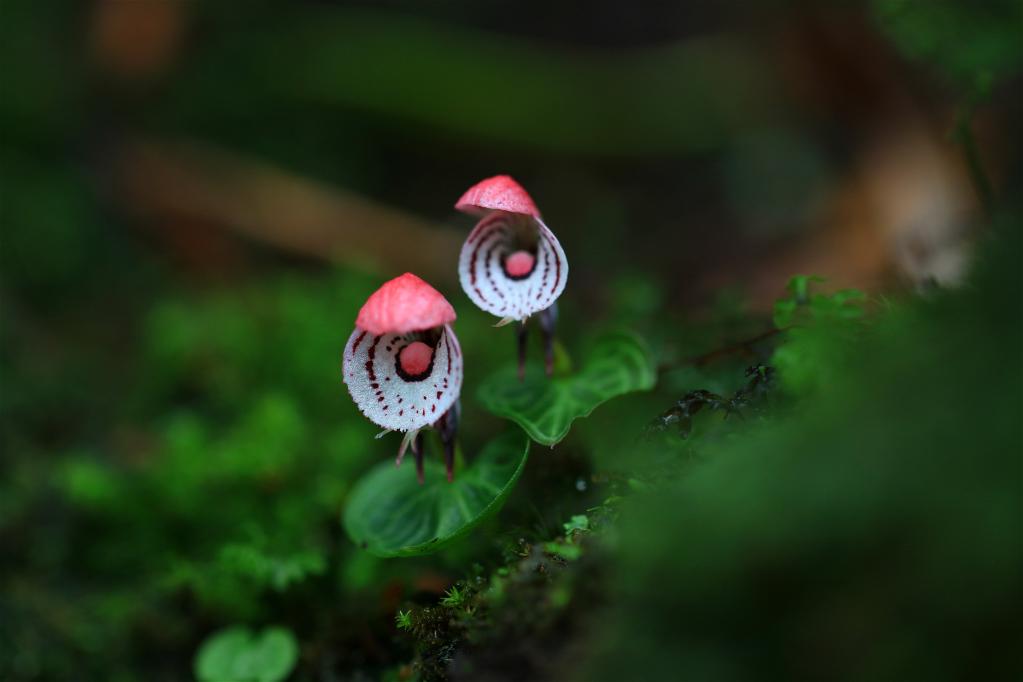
[
  {"x": 882, "y": 508},
  {"x": 976, "y": 45},
  {"x": 564, "y": 550},
  {"x": 527, "y": 605},
  {"x": 87, "y": 483},
  {"x": 49, "y": 217},
  {"x": 277, "y": 571},
  {"x": 403, "y": 620},
  {"x": 818, "y": 327},
  {"x": 236, "y": 655},
  {"x": 454, "y": 597},
  {"x": 580, "y": 523},
  {"x": 802, "y": 307},
  {"x": 389, "y": 514},
  {"x": 545, "y": 408},
  {"x": 563, "y": 104},
  {"x": 212, "y": 477}
]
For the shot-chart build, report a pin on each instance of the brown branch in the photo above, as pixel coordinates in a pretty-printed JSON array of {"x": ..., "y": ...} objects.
[{"x": 162, "y": 179}]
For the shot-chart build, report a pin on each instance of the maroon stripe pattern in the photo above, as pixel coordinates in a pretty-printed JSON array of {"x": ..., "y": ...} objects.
[
  {"x": 481, "y": 266},
  {"x": 369, "y": 369}
]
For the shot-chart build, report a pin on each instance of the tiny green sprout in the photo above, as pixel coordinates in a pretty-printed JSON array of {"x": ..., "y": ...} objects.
[
  {"x": 453, "y": 597},
  {"x": 801, "y": 307},
  {"x": 403, "y": 620},
  {"x": 580, "y": 523},
  {"x": 799, "y": 286},
  {"x": 564, "y": 550}
]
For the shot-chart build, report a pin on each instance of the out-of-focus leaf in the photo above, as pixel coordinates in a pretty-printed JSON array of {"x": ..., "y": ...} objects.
[
  {"x": 49, "y": 243},
  {"x": 390, "y": 515},
  {"x": 974, "y": 44},
  {"x": 264, "y": 568},
  {"x": 683, "y": 96},
  {"x": 88, "y": 483},
  {"x": 235, "y": 655},
  {"x": 546, "y": 408},
  {"x": 819, "y": 325},
  {"x": 802, "y": 307}
]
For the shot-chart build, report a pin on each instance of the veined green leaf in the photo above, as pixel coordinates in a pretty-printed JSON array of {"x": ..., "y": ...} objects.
[
  {"x": 390, "y": 515},
  {"x": 546, "y": 407}
]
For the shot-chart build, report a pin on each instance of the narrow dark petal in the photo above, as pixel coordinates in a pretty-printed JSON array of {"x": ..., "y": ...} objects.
[
  {"x": 548, "y": 320},
  {"x": 417, "y": 448},
  {"x": 522, "y": 336},
  {"x": 447, "y": 427}
]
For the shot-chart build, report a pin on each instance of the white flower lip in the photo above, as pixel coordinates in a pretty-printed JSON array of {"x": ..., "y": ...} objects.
[
  {"x": 372, "y": 372},
  {"x": 486, "y": 281}
]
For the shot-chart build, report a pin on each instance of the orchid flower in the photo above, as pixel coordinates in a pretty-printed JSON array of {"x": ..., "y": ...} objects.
[
  {"x": 512, "y": 265},
  {"x": 403, "y": 365}
]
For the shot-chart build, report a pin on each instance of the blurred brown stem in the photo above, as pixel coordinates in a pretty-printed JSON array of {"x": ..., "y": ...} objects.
[{"x": 178, "y": 180}]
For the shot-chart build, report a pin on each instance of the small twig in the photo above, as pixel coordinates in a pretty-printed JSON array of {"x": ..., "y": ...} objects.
[
  {"x": 700, "y": 360},
  {"x": 173, "y": 179},
  {"x": 681, "y": 414}
]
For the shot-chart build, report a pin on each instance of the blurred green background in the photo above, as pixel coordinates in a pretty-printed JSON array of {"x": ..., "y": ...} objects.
[{"x": 196, "y": 198}]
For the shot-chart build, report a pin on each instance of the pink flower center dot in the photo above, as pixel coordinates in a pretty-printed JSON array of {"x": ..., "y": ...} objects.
[
  {"x": 415, "y": 358},
  {"x": 519, "y": 264}
]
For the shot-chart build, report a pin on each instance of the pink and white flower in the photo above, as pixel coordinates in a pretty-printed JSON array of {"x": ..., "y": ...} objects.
[
  {"x": 511, "y": 265},
  {"x": 403, "y": 364}
]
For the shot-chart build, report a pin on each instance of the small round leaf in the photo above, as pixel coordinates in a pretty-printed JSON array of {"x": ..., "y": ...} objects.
[{"x": 235, "y": 655}]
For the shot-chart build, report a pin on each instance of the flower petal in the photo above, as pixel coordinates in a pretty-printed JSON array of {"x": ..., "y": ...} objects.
[
  {"x": 404, "y": 304},
  {"x": 499, "y": 193},
  {"x": 370, "y": 367},
  {"x": 483, "y": 276}
]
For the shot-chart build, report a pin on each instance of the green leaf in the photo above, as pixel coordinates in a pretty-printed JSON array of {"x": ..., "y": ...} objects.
[
  {"x": 564, "y": 550},
  {"x": 578, "y": 523},
  {"x": 390, "y": 515},
  {"x": 799, "y": 286},
  {"x": 546, "y": 407},
  {"x": 804, "y": 308},
  {"x": 975, "y": 45},
  {"x": 235, "y": 655},
  {"x": 784, "y": 311}
]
